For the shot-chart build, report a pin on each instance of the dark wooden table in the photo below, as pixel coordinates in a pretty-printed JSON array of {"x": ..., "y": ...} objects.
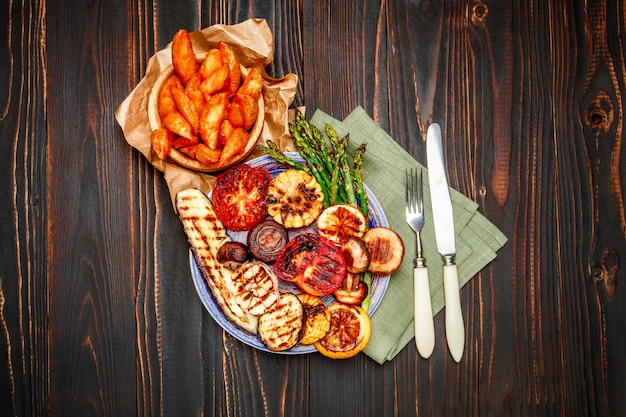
[{"x": 97, "y": 312}]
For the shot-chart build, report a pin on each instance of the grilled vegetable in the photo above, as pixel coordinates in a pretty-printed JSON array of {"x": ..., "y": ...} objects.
[
  {"x": 316, "y": 319},
  {"x": 233, "y": 255},
  {"x": 266, "y": 240},
  {"x": 356, "y": 254},
  {"x": 313, "y": 263},
  {"x": 294, "y": 199},
  {"x": 280, "y": 328},
  {"x": 327, "y": 160},
  {"x": 352, "y": 290},
  {"x": 256, "y": 287},
  {"x": 386, "y": 250},
  {"x": 206, "y": 234},
  {"x": 239, "y": 196}
]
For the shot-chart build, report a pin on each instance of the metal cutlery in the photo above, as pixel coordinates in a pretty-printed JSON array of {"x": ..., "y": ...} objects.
[
  {"x": 443, "y": 220},
  {"x": 414, "y": 210}
]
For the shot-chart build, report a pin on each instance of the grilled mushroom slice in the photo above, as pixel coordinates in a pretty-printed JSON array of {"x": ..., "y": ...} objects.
[
  {"x": 356, "y": 254},
  {"x": 386, "y": 250},
  {"x": 266, "y": 240},
  {"x": 233, "y": 254},
  {"x": 352, "y": 290}
]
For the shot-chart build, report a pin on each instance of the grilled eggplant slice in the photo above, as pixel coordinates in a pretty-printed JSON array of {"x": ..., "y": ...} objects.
[
  {"x": 206, "y": 234},
  {"x": 281, "y": 327}
]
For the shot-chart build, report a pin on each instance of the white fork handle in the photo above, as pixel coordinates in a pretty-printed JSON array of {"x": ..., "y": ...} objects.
[
  {"x": 424, "y": 326},
  {"x": 455, "y": 330}
]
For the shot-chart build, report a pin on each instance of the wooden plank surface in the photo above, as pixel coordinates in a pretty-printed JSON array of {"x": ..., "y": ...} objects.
[{"x": 97, "y": 312}]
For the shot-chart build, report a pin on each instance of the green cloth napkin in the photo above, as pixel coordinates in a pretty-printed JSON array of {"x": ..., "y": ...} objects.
[{"x": 477, "y": 239}]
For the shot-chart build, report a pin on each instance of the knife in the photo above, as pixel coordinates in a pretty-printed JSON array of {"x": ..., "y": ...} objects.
[{"x": 443, "y": 220}]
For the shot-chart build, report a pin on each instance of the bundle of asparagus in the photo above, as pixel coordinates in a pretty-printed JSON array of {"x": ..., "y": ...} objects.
[{"x": 327, "y": 161}]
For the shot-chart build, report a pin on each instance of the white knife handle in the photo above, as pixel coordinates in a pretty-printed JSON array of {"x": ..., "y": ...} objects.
[
  {"x": 424, "y": 326},
  {"x": 455, "y": 330}
]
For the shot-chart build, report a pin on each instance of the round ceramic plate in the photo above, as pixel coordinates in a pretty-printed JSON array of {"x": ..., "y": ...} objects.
[{"x": 378, "y": 286}]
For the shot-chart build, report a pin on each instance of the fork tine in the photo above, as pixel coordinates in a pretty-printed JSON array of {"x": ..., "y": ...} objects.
[
  {"x": 420, "y": 194},
  {"x": 407, "y": 185},
  {"x": 413, "y": 191}
]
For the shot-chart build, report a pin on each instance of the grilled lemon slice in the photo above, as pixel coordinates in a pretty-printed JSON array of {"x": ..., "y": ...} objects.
[
  {"x": 294, "y": 199},
  {"x": 316, "y": 319},
  {"x": 340, "y": 222},
  {"x": 350, "y": 331}
]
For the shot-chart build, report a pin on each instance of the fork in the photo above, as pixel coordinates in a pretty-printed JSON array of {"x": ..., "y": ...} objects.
[{"x": 414, "y": 210}]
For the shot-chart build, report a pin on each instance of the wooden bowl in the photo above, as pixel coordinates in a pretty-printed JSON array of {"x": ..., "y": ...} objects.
[{"x": 184, "y": 160}]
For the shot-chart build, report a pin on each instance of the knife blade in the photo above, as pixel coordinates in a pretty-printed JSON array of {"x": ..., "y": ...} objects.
[{"x": 443, "y": 219}]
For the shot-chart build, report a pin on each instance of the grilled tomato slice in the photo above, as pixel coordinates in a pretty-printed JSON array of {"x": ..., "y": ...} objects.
[
  {"x": 350, "y": 330},
  {"x": 313, "y": 263},
  {"x": 239, "y": 196}
]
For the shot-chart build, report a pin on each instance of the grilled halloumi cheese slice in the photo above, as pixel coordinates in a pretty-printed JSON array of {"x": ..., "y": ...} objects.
[
  {"x": 256, "y": 287},
  {"x": 280, "y": 328},
  {"x": 206, "y": 233}
]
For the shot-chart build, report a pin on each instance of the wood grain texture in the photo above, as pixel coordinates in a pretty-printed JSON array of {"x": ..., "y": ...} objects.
[
  {"x": 98, "y": 315},
  {"x": 24, "y": 346}
]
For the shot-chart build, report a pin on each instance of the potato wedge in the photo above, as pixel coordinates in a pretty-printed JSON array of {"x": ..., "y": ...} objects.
[
  {"x": 179, "y": 125},
  {"x": 226, "y": 129},
  {"x": 235, "y": 114},
  {"x": 165, "y": 101},
  {"x": 192, "y": 90},
  {"x": 215, "y": 81},
  {"x": 235, "y": 145},
  {"x": 183, "y": 56},
  {"x": 162, "y": 141},
  {"x": 202, "y": 153},
  {"x": 234, "y": 76},
  {"x": 181, "y": 142},
  {"x": 211, "y": 119},
  {"x": 211, "y": 62},
  {"x": 250, "y": 108},
  {"x": 253, "y": 84},
  {"x": 186, "y": 107}
]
